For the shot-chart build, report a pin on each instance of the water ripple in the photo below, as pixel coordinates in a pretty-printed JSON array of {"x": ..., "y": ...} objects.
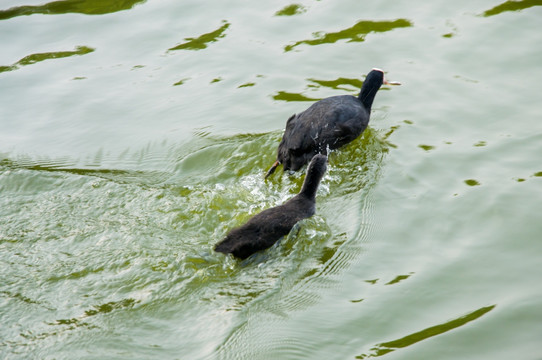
[
  {"x": 389, "y": 346},
  {"x": 290, "y": 10},
  {"x": 35, "y": 58},
  {"x": 202, "y": 41},
  {"x": 511, "y": 6},
  {"x": 88, "y": 7},
  {"x": 356, "y": 33},
  {"x": 105, "y": 241}
]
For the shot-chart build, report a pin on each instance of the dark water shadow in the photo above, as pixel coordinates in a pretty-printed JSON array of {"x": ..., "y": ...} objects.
[
  {"x": 87, "y": 7},
  {"x": 511, "y": 6},
  {"x": 35, "y": 58},
  {"x": 356, "y": 33},
  {"x": 202, "y": 41},
  {"x": 387, "y": 347}
]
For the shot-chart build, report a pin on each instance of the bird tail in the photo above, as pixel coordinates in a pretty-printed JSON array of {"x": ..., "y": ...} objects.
[{"x": 272, "y": 169}]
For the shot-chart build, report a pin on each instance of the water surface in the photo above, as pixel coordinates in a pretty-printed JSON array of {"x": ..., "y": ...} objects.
[{"x": 135, "y": 135}]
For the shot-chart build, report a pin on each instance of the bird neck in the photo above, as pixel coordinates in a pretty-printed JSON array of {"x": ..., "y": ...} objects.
[
  {"x": 312, "y": 180},
  {"x": 367, "y": 95}
]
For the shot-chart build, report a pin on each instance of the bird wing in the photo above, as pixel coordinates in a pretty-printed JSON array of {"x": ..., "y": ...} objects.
[
  {"x": 326, "y": 124},
  {"x": 329, "y": 122},
  {"x": 298, "y": 143}
]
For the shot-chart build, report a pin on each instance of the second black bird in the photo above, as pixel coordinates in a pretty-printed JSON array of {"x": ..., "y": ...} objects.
[{"x": 265, "y": 228}]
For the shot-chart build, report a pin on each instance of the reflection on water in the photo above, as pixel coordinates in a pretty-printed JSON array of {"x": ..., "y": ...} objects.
[
  {"x": 352, "y": 34},
  {"x": 88, "y": 7},
  {"x": 337, "y": 83},
  {"x": 512, "y": 6},
  {"x": 427, "y": 147},
  {"x": 180, "y": 82},
  {"x": 97, "y": 310},
  {"x": 34, "y": 58},
  {"x": 288, "y": 96},
  {"x": 398, "y": 279},
  {"x": 290, "y": 10},
  {"x": 248, "y": 84},
  {"x": 110, "y": 306},
  {"x": 387, "y": 347},
  {"x": 202, "y": 41},
  {"x": 472, "y": 182},
  {"x": 349, "y": 85}
]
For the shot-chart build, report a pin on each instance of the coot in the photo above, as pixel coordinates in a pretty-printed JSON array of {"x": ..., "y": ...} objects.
[
  {"x": 265, "y": 228},
  {"x": 327, "y": 124}
]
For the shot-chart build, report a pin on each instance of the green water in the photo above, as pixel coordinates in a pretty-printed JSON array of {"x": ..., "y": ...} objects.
[{"x": 135, "y": 134}]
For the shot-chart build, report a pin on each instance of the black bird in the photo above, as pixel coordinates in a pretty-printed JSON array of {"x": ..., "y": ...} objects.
[
  {"x": 265, "y": 228},
  {"x": 327, "y": 124}
]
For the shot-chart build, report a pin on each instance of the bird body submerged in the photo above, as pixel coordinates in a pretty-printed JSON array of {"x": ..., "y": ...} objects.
[
  {"x": 326, "y": 125},
  {"x": 267, "y": 227}
]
